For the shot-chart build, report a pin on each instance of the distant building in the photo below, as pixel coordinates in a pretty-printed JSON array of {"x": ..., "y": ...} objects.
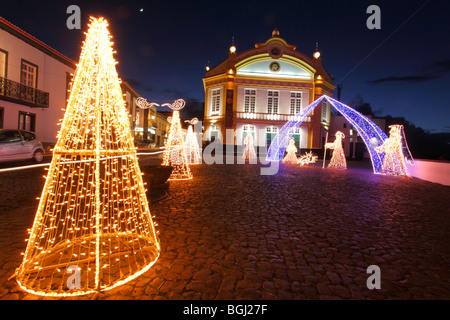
[
  {"x": 158, "y": 126},
  {"x": 35, "y": 82},
  {"x": 257, "y": 91},
  {"x": 352, "y": 143}
]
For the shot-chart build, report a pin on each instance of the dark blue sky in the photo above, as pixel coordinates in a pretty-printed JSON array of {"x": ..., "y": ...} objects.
[{"x": 164, "y": 49}]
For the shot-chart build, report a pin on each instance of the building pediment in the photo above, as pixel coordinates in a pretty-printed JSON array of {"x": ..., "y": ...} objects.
[{"x": 267, "y": 66}]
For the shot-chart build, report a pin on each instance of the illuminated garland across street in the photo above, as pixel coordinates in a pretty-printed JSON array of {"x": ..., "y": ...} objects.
[
  {"x": 93, "y": 217},
  {"x": 175, "y": 152},
  {"x": 371, "y": 134}
]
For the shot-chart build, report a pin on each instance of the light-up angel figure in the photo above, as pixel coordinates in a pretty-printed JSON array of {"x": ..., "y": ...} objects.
[
  {"x": 307, "y": 158},
  {"x": 175, "y": 152},
  {"x": 249, "y": 149},
  {"x": 193, "y": 152},
  {"x": 394, "y": 160},
  {"x": 291, "y": 150},
  {"x": 338, "y": 158}
]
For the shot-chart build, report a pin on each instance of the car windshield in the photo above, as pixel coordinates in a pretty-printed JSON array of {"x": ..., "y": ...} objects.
[
  {"x": 9, "y": 136},
  {"x": 28, "y": 136}
]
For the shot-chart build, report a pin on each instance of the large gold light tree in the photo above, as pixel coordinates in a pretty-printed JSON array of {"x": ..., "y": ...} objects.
[{"x": 93, "y": 216}]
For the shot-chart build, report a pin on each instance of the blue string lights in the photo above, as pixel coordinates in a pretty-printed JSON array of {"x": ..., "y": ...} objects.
[{"x": 371, "y": 134}]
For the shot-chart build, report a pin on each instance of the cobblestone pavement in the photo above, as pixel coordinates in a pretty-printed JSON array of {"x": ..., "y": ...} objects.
[{"x": 304, "y": 233}]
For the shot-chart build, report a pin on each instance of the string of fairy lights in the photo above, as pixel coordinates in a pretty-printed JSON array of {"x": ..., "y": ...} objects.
[
  {"x": 193, "y": 151},
  {"x": 175, "y": 153},
  {"x": 32, "y": 166},
  {"x": 93, "y": 212},
  {"x": 249, "y": 149}
]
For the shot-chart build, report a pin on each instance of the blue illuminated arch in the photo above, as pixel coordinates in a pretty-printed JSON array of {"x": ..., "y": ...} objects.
[{"x": 371, "y": 134}]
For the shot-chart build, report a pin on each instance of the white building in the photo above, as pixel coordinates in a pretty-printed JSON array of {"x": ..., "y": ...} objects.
[
  {"x": 352, "y": 143},
  {"x": 35, "y": 83}
]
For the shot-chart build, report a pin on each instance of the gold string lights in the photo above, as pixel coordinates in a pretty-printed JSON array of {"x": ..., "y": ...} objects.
[
  {"x": 249, "y": 149},
  {"x": 307, "y": 158},
  {"x": 93, "y": 216},
  {"x": 291, "y": 156},
  {"x": 193, "y": 151},
  {"x": 175, "y": 152},
  {"x": 338, "y": 158},
  {"x": 394, "y": 160}
]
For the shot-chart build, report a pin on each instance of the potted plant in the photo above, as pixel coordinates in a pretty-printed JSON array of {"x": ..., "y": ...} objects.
[{"x": 156, "y": 177}]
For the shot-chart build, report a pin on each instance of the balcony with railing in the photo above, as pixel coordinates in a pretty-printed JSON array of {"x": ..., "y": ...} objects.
[
  {"x": 268, "y": 116},
  {"x": 16, "y": 92}
]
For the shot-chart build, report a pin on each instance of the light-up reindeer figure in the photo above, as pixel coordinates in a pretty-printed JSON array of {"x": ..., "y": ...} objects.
[
  {"x": 338, "y": 158},
  {"x": 291, "y": 150},
  {"x": 394, "y": 160}
]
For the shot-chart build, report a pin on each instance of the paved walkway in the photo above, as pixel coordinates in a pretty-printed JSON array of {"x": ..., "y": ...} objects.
[{"x": 305, "y": 233}]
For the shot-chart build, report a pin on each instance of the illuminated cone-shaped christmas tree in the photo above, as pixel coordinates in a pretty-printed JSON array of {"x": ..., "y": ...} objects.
[
  {"x": 175, "y": 152},
  {"x": 193, "y": 152},
  {"x": 93, "y": 230}
]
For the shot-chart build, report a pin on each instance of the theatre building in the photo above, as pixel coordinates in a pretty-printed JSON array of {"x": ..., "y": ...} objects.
[{"x": 257, "y": 91}]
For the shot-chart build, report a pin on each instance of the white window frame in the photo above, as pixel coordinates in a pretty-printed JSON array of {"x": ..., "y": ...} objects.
[
  {"x": 28, "y": 74},
  {"x": 213, "y": 127},
  {"x": 272, "y": 129},
  {"x": 324, "y": 111},
  {"x": 216, "y": 98},
  {"x": 3, "y": 63},
  {"x": 295, "y": 106},
  {"x": 273, "y": 101},
  {"x": 250, "y": 100},
  {"x": 249, "y": 129}
]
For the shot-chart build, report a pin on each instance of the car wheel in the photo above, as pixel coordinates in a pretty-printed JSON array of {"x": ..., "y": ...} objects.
[{"x": 38, "y": 156}]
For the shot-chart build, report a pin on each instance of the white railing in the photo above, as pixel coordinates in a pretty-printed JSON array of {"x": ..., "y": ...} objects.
[{"x": 268, "y": 116}]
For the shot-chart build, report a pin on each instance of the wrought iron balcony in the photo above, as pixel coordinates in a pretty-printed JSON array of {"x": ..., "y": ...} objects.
[
  {"x": 19, "y": 93},
  {"x": 268, "y": 116}
]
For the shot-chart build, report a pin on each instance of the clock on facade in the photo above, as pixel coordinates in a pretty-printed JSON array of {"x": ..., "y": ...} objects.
[{"x": 274, "y": 67}]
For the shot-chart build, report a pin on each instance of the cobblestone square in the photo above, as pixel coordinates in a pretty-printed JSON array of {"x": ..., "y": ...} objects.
[{"x": 231, "y": 233}]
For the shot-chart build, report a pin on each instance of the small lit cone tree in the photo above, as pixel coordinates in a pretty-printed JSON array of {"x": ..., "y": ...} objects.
[
  {"x": 394, "y": 162},
  {"x": 291, "y": 150},
  {"x": 193, "y": 152},
  {"x": 175, "y": 152},
  {"x": 93, "y": 230},
  {"x": 249, "y": 149},
  {"x": 338, "y": 158}
]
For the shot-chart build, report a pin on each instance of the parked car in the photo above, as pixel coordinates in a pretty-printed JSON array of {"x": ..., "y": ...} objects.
[{"x": 20, "y": 145}]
